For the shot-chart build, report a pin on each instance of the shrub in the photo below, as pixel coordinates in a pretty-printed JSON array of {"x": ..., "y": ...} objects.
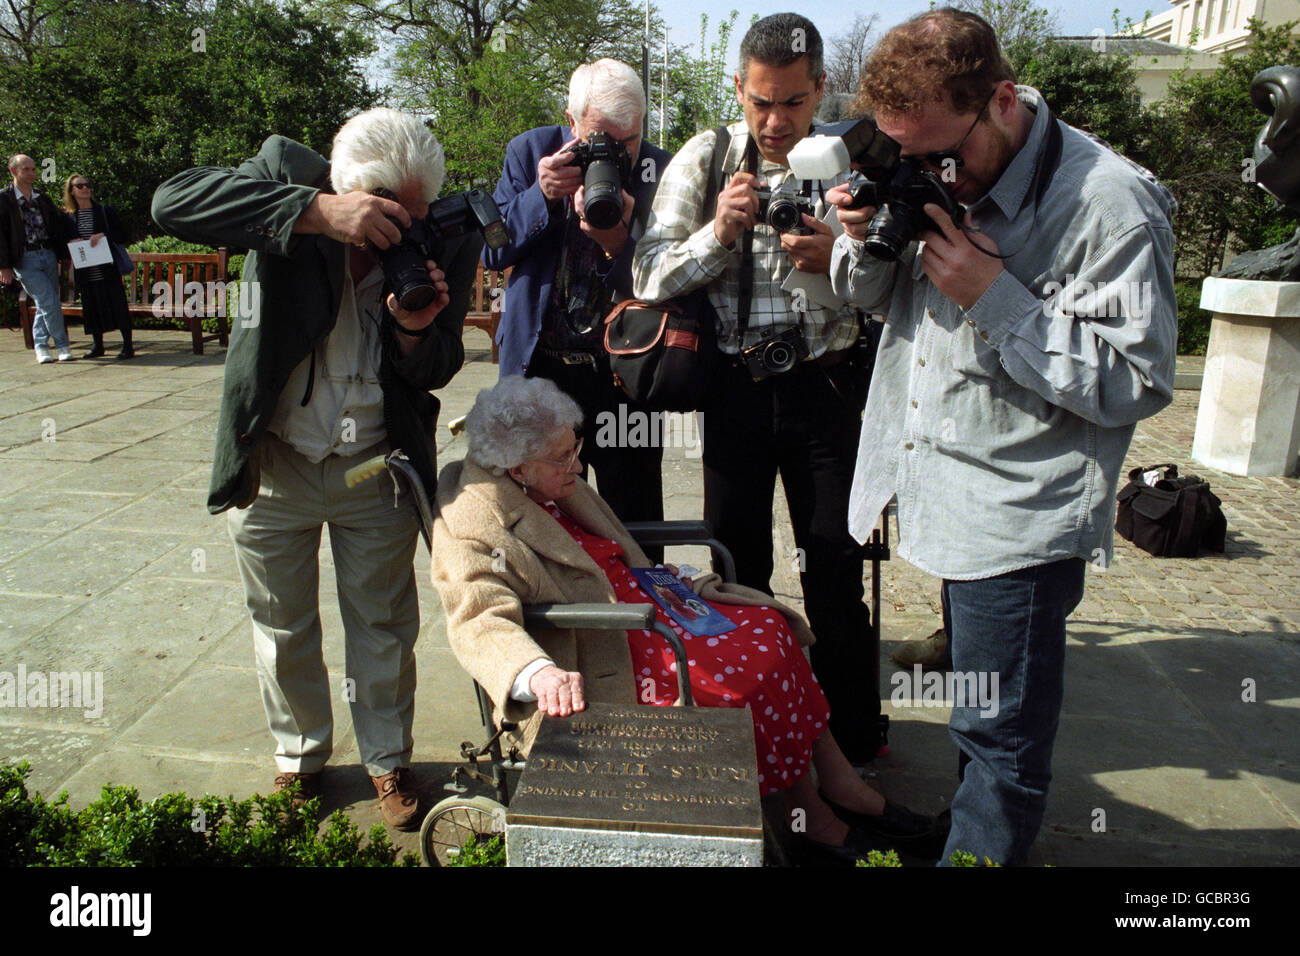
[
  {"x": 491, "y": 852},
  {"x": 1193, "y": 321},
  {"x": 119, "y": 829}
]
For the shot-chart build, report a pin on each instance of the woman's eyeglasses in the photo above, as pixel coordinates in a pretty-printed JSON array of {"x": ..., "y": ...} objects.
[
  {"x": 81, "y": 185},
  {"x": 567, "y": 462}
]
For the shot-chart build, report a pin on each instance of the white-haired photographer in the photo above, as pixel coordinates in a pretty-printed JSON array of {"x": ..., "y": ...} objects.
[
  {"x": 574, "y": 198},
  {"x": 327, "y": 371}
]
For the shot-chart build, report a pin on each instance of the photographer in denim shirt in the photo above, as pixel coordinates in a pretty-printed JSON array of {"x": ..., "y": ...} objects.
[{"x": 1020, "y": 348}]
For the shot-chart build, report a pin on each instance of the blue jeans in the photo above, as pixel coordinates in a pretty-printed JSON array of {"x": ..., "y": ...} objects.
[
  {"x": 39, "y": 274},
  {"x": 1011, "y": 627}
]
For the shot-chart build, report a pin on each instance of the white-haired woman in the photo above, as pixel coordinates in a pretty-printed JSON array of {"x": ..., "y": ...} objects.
[{"x": 517, "y": 526}]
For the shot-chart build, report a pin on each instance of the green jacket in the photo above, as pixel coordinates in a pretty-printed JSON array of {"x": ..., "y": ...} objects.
[{"x": 301, "y": 279}]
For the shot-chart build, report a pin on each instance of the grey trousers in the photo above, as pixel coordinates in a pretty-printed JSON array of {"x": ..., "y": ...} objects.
[{"x": 277, "y": 542}]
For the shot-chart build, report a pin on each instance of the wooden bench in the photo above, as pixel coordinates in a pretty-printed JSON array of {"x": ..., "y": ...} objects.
[
  {"x": 485, "y": 303},
  {"x": 176, "y": 270},
  {"x": 484, "y": 307}
]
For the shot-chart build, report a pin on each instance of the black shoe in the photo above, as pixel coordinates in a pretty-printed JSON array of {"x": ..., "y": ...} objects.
[
  {"x": 96, "y": 352},
  {"x": 898, "y": 828},
  {"x": 809, "y": 852},
  {"x": 126, "y": 353}
]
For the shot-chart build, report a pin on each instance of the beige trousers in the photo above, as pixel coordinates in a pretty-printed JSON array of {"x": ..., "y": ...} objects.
[{"x": 277, "y": 542}]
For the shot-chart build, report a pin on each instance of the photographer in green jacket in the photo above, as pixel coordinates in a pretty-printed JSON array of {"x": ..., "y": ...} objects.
[{"x": 324, "y": 372}]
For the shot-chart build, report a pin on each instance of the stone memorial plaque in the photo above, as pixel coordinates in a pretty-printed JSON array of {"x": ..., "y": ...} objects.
[{"x": 632, "y": 785}]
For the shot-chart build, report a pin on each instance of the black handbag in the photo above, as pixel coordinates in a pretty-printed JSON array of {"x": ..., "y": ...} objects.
[
  {"x": 121, "y": 258},
  {"x": 1174, "y": 518},
  {"x": 664, "y": 356}
]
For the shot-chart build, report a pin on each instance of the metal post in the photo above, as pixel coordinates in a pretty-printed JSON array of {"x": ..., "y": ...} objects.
[
  {"x": 645, "y": 74},
  {"x": 663, "y": 93}
]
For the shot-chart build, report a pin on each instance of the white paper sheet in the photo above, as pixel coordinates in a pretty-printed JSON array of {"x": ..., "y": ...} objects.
[{"x": 85, "y": 255}]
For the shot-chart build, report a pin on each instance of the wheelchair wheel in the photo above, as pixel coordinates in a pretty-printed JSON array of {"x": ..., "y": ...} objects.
[{"x": 450, "y": 824}]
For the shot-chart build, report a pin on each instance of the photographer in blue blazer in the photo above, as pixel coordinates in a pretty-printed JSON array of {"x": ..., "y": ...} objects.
[{"x": 570, "y": 271}]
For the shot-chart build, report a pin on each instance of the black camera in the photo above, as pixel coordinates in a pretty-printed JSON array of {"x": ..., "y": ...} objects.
[
  {"x": 901, "y": 200},
  {"x": 783, "y": 210},
  {"x": 606, "y": 168},
  {"x": 776, "y": 355},
  {"x": 452, "y": 216},
  {"x": 898, "y": 186}
]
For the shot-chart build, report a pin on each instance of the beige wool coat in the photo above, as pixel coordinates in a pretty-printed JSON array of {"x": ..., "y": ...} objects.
[{"x": 495, "y": 550}]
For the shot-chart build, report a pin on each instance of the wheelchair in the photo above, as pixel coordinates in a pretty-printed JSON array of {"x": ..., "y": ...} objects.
[{"x": 457, "y": 819}]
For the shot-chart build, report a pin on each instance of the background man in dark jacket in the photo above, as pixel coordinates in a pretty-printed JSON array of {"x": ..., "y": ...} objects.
[
  {"x": 31, "y": 244},
  {"x": 568, "y": 274},
  {"x": 326, "y": 372}
]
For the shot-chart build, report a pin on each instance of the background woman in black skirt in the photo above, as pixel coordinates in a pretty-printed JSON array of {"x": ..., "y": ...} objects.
[{"x": 103, "y": 300}]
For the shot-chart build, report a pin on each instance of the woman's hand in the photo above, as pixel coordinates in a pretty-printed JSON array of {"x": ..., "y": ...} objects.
[
  {"x": 559, "y": 693},
  {"x": 94, "y": 239}
]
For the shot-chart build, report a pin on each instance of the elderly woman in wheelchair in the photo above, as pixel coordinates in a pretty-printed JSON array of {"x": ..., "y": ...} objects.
[{"x": 517, "y": 526}]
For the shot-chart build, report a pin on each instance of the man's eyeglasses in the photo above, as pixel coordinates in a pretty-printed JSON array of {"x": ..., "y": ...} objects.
[
  {"x": 567, "y": 462},
  {"x": 944, "y": 157}
]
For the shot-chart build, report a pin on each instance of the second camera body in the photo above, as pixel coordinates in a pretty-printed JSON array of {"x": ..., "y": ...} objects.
[{"x": 775, "y": 355}]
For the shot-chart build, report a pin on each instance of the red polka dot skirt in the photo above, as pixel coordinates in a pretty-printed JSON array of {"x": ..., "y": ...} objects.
[{"x": 759, "y": 665}]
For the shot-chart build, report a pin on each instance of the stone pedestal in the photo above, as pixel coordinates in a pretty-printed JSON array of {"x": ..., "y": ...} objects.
[
  {"x": 1248, "y": 422},
  {"x": 639, "y": 786}
]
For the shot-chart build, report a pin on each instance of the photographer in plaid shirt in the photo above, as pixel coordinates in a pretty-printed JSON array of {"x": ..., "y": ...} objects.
[{"x": 803, "y": 422}]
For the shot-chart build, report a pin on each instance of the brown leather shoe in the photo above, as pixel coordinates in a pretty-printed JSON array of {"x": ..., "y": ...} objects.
[
  {"x": 399, "y": 798},
  {"x": 308, "y": 785}
]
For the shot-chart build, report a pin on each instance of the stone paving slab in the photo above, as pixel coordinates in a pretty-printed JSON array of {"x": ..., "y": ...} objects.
[{"x": 109, "y": 561}]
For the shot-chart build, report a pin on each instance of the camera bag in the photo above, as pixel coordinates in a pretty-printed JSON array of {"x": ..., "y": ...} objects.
[
  {"x": 664, "y": 356},
  {"x": 1174, "y": 518}
]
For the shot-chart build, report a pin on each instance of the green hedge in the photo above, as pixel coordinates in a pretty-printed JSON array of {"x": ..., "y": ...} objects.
[
  {"x": 1193, "y": 321},
  {"x": 119, "y": 829}
]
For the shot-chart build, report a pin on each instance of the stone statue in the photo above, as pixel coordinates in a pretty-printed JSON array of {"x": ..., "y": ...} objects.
[{"x": 1276, "y": 92}]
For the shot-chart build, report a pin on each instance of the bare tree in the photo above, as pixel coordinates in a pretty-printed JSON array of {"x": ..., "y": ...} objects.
[
  {"x": 845, "y": 54},
  {"x": 1014, "y": 21},
  {"x": 22, "y": 26}
]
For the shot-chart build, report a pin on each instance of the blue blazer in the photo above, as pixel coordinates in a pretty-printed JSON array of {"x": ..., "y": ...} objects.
[{"x": 537, "y": 233}]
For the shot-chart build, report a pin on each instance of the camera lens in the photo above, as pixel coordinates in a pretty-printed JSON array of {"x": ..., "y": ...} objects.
[
  {"x": 779, "y": 357},
  {"x": 891, "y": 229},
  {"x": 602, "y": 201},
  {"x": 416, "y": 294},
  {"x": 783, "y": 215}
]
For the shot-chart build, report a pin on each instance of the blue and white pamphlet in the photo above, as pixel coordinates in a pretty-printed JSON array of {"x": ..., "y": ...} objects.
[{"x": 681, "y": 603}]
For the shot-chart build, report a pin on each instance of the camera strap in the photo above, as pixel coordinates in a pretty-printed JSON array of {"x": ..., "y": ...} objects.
[
  {"x": 1043, "y": 173},
  {"x": 746, "y": 292}
]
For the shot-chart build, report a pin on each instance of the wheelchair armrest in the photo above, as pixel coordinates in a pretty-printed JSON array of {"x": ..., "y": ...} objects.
[
  {"x": 614, "y": 617},
  {"x": 611, "y": 617},
  {"x": 665, "y": 533}
]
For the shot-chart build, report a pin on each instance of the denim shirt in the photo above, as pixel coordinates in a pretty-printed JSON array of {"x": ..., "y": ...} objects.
[{"x": 1002, "y": 428}]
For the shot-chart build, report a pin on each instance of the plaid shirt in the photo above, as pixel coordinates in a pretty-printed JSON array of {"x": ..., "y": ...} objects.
[{"x": 680, "y": 253}]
